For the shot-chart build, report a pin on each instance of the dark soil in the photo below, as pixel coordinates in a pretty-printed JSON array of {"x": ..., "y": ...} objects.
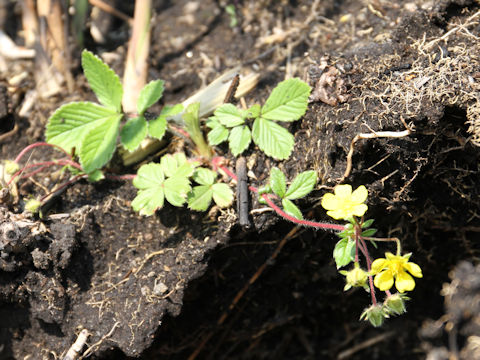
[{"x": 158, "y": 287}]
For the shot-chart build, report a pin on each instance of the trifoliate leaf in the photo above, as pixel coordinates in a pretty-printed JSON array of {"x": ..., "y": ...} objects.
[
  {"x": 99, "y": 143},
  {"x": 239, "y": 139},
  {"x": 69, "y": 123},
  {"x": 344, "y": 252},
  {"x": 133, "y": 132},
  {"x": 287, "y": 102},
  {"x": 222, "y": 194},
  {"x": 177, "y": 165},
  {"x": 229, "y": 115},
  {"x": 204, "y": 176},
  {"x": 272, "y": 139},
  {"x": 291, "y": 209},
  {"x": 157, "y": 127},
  {"x": 218, "y": 134},
  {"x": 149, "y": 95},
  {"x": 103, "y": 81},
  {"x": 200, "y": 197},
  {"x": 302, "y": 185},
  {"x": 278, "y": 183},
  {"x": 148, "y": 200}
]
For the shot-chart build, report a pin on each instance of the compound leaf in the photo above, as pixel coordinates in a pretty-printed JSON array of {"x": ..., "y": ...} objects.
[
  {"x": 149, "y": 181},
  {"x": 103, "y": 81},
  {"x": 218, "y": 134},
  {"x": 176, "y": 190},
  {"x": 302, "y": 185},
  {"x": 288, "y": 101},
  {"x": 133, "y": 132},
  {"x": 239, "y": 139},
  {"x": 157, "y": 127},
  {"x": 149, "y": 95},
  {"x": 272, "y": 139},
  {"x": 204, "y": 176},
  {"x": 200, "y": 197},
  {"x": 229, "y": 115}
]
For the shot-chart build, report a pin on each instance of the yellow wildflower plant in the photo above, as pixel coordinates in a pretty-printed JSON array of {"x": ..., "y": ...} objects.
[
  {"x": 393, "y": 268},
  {"x": 345, "y": 203}
]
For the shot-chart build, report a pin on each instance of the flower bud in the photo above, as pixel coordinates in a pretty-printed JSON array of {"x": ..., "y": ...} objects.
[
  {"x": 11, "y": 167},
  {"x": 395, "y": 304},
  {"x": 375, "y": 314},
  {"x": 356, "y": 277}
]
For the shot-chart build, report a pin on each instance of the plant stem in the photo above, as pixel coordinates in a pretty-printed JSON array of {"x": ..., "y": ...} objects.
[{"x": 37, "y": 144}]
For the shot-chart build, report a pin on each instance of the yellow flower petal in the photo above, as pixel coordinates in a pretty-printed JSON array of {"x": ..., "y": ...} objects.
[
  {"x": 384, "y": 280},
  {"x": 336, "y": 214},
  {"x": 360, "y": 194},
  {"x": 404, "y": 282},
  {"x": 330, "y": 202},
  {"x": 413, "y": 269},
  {"x": 390, "y": 256},
  {"x": 378, "y": 265},
  {"x": 359, "y": 210},
  {"x": 343, "y": 191}
]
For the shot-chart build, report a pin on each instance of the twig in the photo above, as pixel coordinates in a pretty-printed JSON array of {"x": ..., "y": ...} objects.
[
  {"x": 242, "y": 192},
  {"x": 372, "y": 341},
  {"x": 92, "y": 348}
]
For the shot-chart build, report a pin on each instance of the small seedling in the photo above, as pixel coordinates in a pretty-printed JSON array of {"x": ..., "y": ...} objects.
[{"x": 287, "y": 102}]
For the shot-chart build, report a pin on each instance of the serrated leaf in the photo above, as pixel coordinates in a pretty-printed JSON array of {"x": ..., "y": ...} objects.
[
  {"x": 204, "y": 176},
  {"x": 239, "y": 139},
  {"x": 169, "y": 165},
  {"x": 272, "y": 139},
  {"x": 278, "y": 183},
  {"x": 291, "y": 209},
  {"x": 133, "y": 132},
  {"x": 99, "y": 143},
  {"x": 222, "y": 194},
  {"x": 149, "y": 95},
  {"x": 302, "y": 185},
  {"x": 344, "y": 252},
  {"x": 200, "y": 197},
  {"x": 176, "y": 190},
  {"x": 171, "y": 110},
  {"x": 69, "y": 123},
  {"x": 254, "y": 111},
  {"x": 157, "y": 127},
  {"x": 288, "y": 101},
  {"x": 218, "y": 134},
  {"x": 149, "y": 181},
  {"x": 103, "y": 81},
  {"x": 229, "y": 115}
]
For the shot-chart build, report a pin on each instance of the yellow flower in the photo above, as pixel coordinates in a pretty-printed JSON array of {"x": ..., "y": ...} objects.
[
  {"x": 344, "y": 203},
  {"x": 395, "y": 267}
]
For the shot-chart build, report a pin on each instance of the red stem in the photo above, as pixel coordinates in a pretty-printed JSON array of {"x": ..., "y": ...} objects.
[
  {"x": 34, "y": 145},
  {"x": 44, "y": 164}
]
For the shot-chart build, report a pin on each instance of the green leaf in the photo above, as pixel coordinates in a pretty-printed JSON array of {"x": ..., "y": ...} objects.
[
  {"x": 367, "y": 223},
  {"x": 103, "y": 81},
  {"x": 369, "y": 232},
  {"x": 192, "y": 126},
  {"x": 239, "y": 139},
  {"x": 149, "y": 181},
  {"x": 278, "y": 183},
  {"x": 291, "y": 209},
  {"x": 204, "y": 176},
  {"x": 133, "y": 132},
  {"x": 149, "y": 95},
  {"x": 344, "y": 252},
  {"x": 68, "y": 124},
  {"x": 177, "y": 165},
  {"x": 157, "y": 127},
  {"x": 218, "y": 134},
  {"x": 176, "y": 190},
  {"x": 272, "y": 139},
  {"x": 229, "y": 115},
  {"x": 287, "y": 102},
  {"x": 200, "y": 197},
  {"x": 171, "y": 110},
  {"x": 254, "y": 111},
  {"x": 99, "y": 143},
  {"x": 95, "y": 176},
  {"x": 302, "y": 185},
  {"x": 222, "y": 194}
]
